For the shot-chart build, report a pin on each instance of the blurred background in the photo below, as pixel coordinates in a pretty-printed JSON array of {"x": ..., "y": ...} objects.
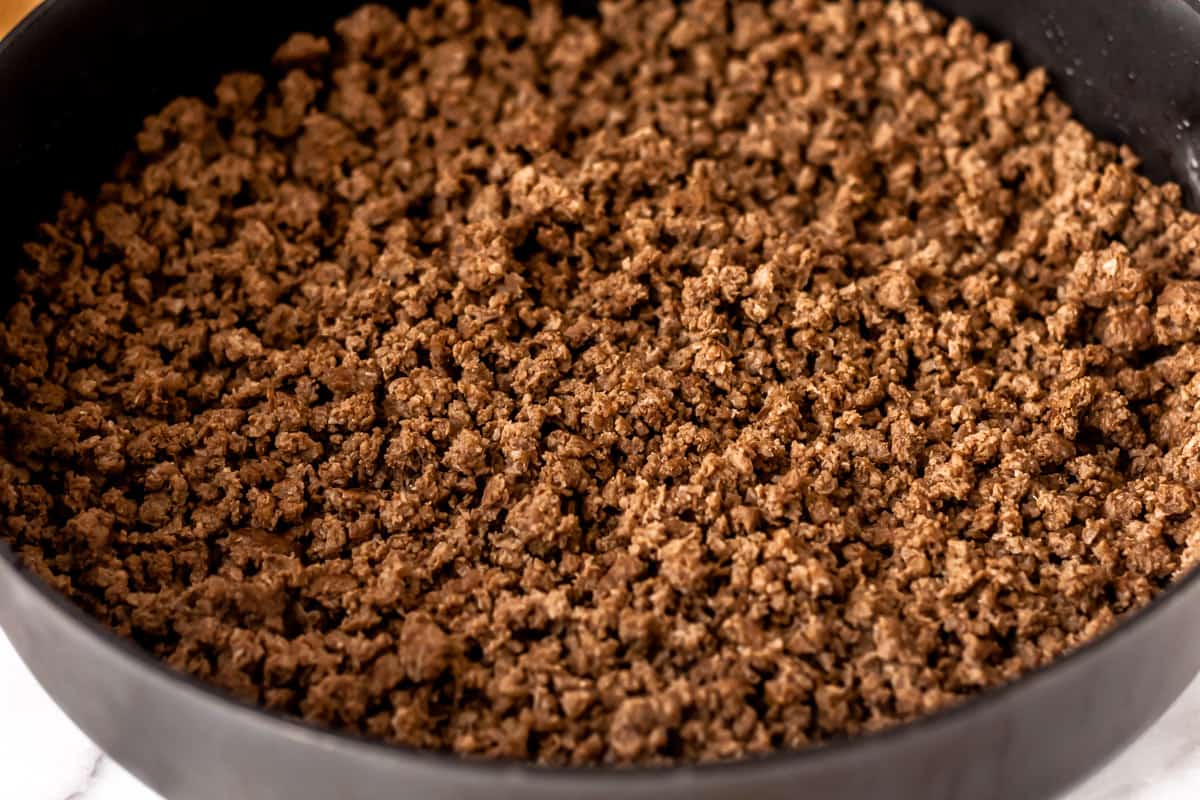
[{"x": 11, "y": 12}]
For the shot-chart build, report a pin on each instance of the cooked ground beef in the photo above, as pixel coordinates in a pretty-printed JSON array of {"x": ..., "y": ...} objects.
[{"x": 675, "y": 384}]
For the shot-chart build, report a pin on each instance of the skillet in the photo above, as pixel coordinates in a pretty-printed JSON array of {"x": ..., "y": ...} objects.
[{"x": 1127, "y": 67}]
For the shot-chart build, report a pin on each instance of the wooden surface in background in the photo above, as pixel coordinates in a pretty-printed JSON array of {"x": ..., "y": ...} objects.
[{"x": 11, "y": 12}]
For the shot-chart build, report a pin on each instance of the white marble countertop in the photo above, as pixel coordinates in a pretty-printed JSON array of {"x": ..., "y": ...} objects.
[{"x": 43, "y": 756}]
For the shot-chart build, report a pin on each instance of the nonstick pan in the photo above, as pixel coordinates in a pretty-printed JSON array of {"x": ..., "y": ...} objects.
[{"x": 1130, "y": 68}]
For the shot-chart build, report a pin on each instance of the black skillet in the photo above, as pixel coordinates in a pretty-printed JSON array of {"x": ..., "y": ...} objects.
[{"x": 76, "y": 78}]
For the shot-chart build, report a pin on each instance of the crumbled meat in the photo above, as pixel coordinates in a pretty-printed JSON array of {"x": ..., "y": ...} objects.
[{"x": 678, "y": 384}]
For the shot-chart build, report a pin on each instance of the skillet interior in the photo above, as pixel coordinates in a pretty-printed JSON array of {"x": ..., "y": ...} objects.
[{"x": 1127, "y": 68}]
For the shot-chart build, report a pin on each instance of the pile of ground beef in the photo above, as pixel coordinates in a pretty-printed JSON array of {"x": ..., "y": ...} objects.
[{"x": 674, "y": 384}]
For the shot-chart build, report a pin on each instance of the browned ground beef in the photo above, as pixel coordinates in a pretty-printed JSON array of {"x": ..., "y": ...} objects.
[{"x": 678, "y": 384}]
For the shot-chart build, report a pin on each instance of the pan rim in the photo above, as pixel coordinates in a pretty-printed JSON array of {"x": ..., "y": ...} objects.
[{"x": 295, "y": 727}]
